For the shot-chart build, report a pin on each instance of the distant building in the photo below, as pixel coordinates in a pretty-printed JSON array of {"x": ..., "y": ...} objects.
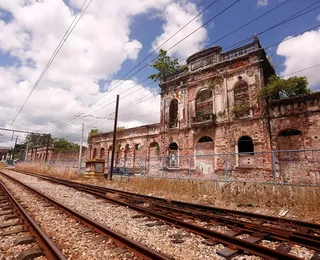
[
  {"x": 213, "y": 107},
  {"x": 3, "y": 153}
]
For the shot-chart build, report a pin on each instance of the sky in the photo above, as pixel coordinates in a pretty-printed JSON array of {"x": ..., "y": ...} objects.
[{"x": 111, "y": 38}]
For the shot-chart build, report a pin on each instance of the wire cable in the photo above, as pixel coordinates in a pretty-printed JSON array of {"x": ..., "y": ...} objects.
[
  {"x": 55, "y": 53},
  {"x": 290, "y": 18},
  {"x": 99, "y": 98}
]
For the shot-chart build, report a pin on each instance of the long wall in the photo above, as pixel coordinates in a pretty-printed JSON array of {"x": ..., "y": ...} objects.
[{"x": 213, "y": 108}]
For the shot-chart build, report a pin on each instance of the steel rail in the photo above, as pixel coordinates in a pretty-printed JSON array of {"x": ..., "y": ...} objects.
[
  {"x": 188, "y": 205},
  {"x": 306, "y": 240},
  {"x": 227, "y": 240},
  {"x": 49, "y": 249},
  {"x": 140, "y": 250}
]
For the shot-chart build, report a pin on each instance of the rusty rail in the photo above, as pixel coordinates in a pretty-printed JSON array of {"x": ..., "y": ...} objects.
[
  {"x": 139, "y": 249},
  {"x": 207, "y": 233},
  {"x": 48, "y": 247}
]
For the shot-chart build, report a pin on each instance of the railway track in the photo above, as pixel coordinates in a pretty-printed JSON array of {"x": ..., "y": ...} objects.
[
  {"x": 256, "y": 227},
  {"x": 11, "y": 209},
  {"x": 140, "y": 251}
]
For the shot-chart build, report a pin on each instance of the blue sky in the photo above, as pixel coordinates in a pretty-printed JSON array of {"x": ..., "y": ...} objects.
[
  {"x": 112, "y": 38},
  {"x": 146, "y": 29}
]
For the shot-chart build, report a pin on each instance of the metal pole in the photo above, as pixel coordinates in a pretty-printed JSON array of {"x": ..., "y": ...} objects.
[
  {"x": 47, "y": 149},
  {"x": 26, "y": 155},
  {"x": 114, "y": 136},
  {"x": 14, "y": 148},
  {"x": 80, "y": 149}
]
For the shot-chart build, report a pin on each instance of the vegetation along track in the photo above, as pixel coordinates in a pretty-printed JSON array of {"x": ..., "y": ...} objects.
[
  {"x": 287, "y": 232},
  {"x": 140, "y": 250},
  {"x": 11, "y": 209}
]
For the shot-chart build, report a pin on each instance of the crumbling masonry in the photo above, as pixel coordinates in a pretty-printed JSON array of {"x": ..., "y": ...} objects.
[{"x": 213, "y": 107}]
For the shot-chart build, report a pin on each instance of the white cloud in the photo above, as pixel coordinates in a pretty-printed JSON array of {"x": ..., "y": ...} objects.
[
  {"x": 261, "y": 3},
  {"x": 302, "y": 52},
  {"x": 176, "y": 15},
  {"x": 318, "y": 18},
  {"x": 95, "y": 50}
]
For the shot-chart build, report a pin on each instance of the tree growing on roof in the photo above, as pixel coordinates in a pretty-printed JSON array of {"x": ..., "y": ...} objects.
[
  {"x": 91, "y": 133},
  {"x": 279, "y": 88},
  {"x": 165, "y": 66},
  {"x": 63, "y": 144}
]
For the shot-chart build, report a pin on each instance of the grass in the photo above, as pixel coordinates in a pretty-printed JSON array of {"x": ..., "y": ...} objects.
[
  {"x": 41, "y": 168},
  {"x": 302, "y": 201}
]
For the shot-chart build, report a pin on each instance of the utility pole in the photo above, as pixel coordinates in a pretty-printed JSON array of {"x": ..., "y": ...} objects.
[
  {"x": 80, "y": 151},
  {"x": 47, "y": 149},
  {"x": 14, "y": 148},
  {"x": 26, "y": 155},
  {"x": 114, "y": 136}
]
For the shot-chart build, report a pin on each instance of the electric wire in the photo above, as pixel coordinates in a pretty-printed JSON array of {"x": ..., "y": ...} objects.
[
  {"x": 290, "y": 18},
  {"x": 154, "y": 51},
  {"x": 239, "y": 28},
  {"x": 55, "y": 53},
  {"x": 99, "y": 98}
]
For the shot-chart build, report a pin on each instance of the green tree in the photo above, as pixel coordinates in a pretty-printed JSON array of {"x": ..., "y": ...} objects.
[
  {"x": 63, "y": 144},
  {"x": 37, "y": 139},
  {"x": 91, "y": 133},
  {"x": 279, "y": 88},
  {"x": 165, "y": 66}
]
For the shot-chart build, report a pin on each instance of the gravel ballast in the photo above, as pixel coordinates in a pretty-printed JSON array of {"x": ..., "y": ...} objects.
[
  {"x": 75, "y": 240},
  {"x": 175, "y": 242}
]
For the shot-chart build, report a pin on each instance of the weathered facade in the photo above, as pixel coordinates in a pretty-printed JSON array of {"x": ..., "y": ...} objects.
[{"x": 213, "y": 108}]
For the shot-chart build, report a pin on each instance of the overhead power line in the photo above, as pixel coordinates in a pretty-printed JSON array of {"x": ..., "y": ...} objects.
[
  {"x": 55, "y": 53},
  {"x": 290, "y": 18},
  {"x": 295, "y": 72},
  {"x": 115, "y": 86},
  {"x": 154, "y": 51},
  {"x": 239, "y": 28},
  {"x": 21, "y": 131},
  {"x": 183, "y": 39}
]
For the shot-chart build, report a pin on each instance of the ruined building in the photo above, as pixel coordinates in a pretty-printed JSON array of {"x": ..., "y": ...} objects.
[{"x": 213, "y": 108}]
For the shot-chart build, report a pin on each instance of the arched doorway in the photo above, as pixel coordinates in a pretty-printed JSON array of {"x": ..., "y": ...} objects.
[
  {"x": 205, "y": 160},
  {"x": 292, "y": 164},
  {"x": 173, "y": 155}
]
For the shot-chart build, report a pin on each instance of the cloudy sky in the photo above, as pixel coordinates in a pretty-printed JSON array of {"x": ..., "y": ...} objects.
[{"x": 114, "y": 36}]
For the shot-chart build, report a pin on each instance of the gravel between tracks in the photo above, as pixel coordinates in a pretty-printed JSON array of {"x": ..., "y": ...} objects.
[
  {"x": 164, "y": 238},
  {"x": 75, "y": 240}
]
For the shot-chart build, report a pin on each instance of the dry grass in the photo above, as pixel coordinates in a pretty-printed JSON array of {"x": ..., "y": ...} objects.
[
  {"x": 41, "y": 168},
  {"x": 302, "y": 202},
  {"x": 3, "y": 165}
]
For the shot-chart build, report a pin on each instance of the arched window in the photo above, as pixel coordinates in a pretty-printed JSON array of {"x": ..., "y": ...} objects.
[
  {"x": 126, "y": 150},
  {"x": 205, "y": 139},
  {"x": 154, "y": 149},
  {"x": 94, "y": 155},
  {"x": 245, "y": 145},
  {"x": 137, "y": 147},
  {"x": 102, "y": 153},
  {"x": 204, "y": 105},
  {"x": 241, "y": 98},
  {"x": 290, "y": 132},
  {"x": 173, "y": 155},
  {"x": 173, "y": 114}
]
